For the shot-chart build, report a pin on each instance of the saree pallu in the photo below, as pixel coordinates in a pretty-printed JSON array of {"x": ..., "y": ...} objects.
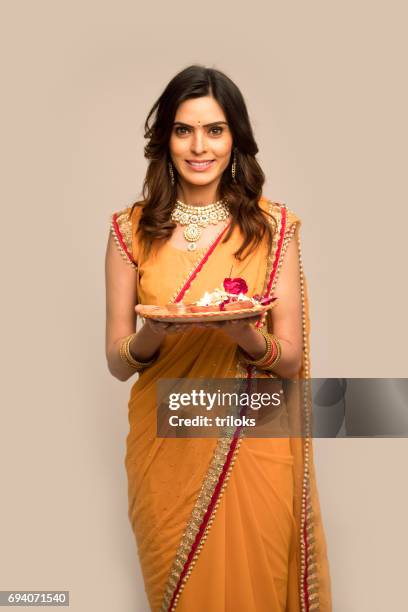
[{"x": 228, "y": 524}]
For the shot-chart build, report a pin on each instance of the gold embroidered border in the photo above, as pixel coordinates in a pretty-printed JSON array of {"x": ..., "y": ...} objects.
[
  {"x": 311, "y": 594},
  {"x": 276, "y": 210},
  {"x": 199, "y": 257},
  {"x": 290, "y": 230},
  {"x": 307, "y": 562},
  {"x": 309, "y": 597},
  {"x": 212, "y": 476},
  {"x": 209, "y": 483},
  {"x": 207, "y": 490},
  {"x": 125, "y": 228},
  {"x": 189, "y": 275}
]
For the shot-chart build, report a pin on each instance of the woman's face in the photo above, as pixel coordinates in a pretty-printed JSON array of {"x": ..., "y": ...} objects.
[{"x": 200, "y": 133}]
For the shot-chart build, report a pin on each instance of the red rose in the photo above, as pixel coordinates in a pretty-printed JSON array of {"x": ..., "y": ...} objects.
[{"x": 235, "y": 285}]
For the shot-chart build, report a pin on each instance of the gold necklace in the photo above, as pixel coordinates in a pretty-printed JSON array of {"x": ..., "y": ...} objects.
[{"x": 197, "y": 217}]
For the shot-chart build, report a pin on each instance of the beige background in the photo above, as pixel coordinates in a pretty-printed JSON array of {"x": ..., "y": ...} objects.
[{"x": 326, "y": 91}]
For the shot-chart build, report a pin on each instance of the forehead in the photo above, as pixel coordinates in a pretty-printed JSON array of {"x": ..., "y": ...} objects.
[{"x": 204, "y": 109}]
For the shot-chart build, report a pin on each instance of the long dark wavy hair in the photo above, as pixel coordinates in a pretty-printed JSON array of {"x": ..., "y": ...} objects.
[{"x": 243, "y": 194}]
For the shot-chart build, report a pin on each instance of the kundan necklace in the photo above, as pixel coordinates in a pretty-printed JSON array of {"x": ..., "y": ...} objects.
[{"x": 197, "y": 217}]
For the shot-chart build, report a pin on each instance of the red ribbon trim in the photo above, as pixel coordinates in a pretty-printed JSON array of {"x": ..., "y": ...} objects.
[
  {"x": 200, "y": 265},
  {"x": 235, "y": 438},
  {"x": 211, "y": 505},
  {"x": 278, "y": 250},
  {"x": 120, "y": 237}
]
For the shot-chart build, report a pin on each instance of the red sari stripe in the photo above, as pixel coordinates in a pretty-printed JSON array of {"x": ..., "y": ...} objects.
[
  {"x": 201, "y": 264},
  {"x": 235, "y": 437},
  {"x": 278, "y": 250},
  {"x": 120, "y": 237},
  {"x": 211, "y": 506},
  {"x": 277, "y": 257}
]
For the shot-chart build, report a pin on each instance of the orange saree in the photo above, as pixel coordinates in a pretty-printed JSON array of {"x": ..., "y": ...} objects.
[{"x": 228, "y": 524}]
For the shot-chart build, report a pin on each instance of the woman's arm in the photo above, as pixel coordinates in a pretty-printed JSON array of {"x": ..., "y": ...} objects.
[
  {"x": 121, "y": 317},
  {"x": 286, "y": 319}
]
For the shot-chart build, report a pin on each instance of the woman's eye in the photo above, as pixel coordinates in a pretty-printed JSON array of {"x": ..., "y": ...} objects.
[
  {"x": 214, "y": 131},
  {"x": 180, "y": 128}
]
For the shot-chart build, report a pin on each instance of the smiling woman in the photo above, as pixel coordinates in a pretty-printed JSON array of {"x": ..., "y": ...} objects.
[
  {"x": 231, "y": 523},
  {"x": 200, "y": 146}
]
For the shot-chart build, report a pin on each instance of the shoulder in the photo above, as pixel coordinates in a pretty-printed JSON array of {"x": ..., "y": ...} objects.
[
  {"x": 279, "y": 211},
  {"x": 123, "y": 227}
]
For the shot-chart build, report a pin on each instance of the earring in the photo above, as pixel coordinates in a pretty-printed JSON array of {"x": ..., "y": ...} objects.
[
  {"x": 171, "y": 173},
  {"x": 234, "y": 168}
]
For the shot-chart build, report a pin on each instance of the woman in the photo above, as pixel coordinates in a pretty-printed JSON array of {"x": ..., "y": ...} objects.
[{"x": 230, "y": 523}]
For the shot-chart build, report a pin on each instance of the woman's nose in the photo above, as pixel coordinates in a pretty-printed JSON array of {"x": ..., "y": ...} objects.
[{"x": 199, "y": 143}]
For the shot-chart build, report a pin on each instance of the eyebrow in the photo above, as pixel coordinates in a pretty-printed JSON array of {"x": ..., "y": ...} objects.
[{"x": 206, "y": 125}]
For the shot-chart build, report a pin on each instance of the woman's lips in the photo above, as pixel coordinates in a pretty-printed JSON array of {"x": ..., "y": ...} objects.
[{"x": 200, "y": 166}]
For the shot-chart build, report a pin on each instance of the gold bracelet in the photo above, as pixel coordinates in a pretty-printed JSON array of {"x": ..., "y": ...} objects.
[
  {"x": 262, "y": 363},
  {"x": 267, "y": 354},
  {"x": 274, "y": 363},
  {"x": 128, "y": 358}
]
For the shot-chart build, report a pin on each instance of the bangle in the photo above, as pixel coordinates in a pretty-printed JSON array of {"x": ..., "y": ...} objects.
[
  {"x": 268, "y": 349},
  {"x": 128, "y": 358},
  {"x": 274, "y": 360},
  {"x": 272, "y": 355}
]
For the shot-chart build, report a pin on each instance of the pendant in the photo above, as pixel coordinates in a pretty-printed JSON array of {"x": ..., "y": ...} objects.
[
  {"x": 192, "y": 232},
  {"x": 191, "y": 246}
]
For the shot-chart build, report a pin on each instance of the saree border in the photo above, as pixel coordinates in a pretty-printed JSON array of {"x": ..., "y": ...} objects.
[
  {"x": 224, "y": 456},
  {"x": 309, "y": 578},
  {"x": 121, "y": 230},
  {"x": 308, "y": 575},
  {"x": 196, "y": 267}
]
